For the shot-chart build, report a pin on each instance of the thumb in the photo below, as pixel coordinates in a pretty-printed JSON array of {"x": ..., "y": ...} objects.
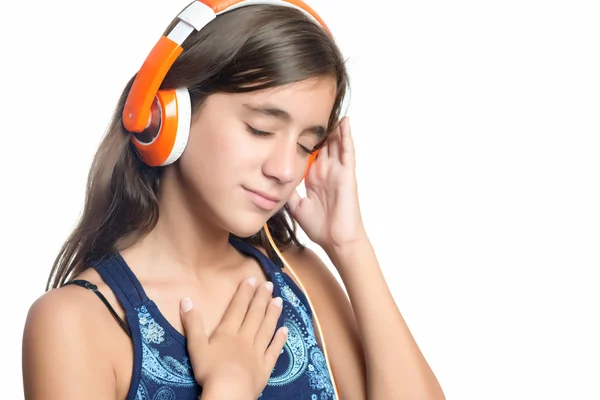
[
  {"x": 294, "y": 202},
  {"x": 193, "y": 326}
]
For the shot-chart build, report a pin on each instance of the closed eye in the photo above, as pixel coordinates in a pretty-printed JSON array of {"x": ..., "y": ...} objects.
[
  {"x": 264, "y": 133},
  {"x": 257, "y": 132}
]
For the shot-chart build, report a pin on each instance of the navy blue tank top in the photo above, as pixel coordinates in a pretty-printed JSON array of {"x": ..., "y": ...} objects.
[{"x": 161, "y": 364}]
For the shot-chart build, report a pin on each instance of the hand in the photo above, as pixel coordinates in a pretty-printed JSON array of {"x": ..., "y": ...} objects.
[
  {"x": 237, "y": 360},
  {"x": 330, "y": 212}
]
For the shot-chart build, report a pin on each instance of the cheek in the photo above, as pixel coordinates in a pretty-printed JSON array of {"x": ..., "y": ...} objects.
[
  {"x": 235, "y": 152},
  {"x": 226, "y": 153}
]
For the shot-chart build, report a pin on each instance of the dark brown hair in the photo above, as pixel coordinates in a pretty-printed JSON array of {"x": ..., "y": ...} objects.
[{"x": 247, "y": 49}]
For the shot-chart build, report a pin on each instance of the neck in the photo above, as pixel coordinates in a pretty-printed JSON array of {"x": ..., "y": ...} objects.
[{"x": 185, "y": 238}]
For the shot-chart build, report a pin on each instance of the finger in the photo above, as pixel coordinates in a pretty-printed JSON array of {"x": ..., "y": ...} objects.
[
  {"x": 294, "y": 201},
  {"x": 324, "y": 151},
  {"x": 347, "y": 144},
  {"x": 274, "y": 350},
  {"x": 193, "y": 327},
  {"x": 256, "y": 311},
  {"x": 269, "y": 323},
  {"x": 330, "y": 140},
  {"x": 236, "y": 311},
  {"x": 333, "y": 143}
]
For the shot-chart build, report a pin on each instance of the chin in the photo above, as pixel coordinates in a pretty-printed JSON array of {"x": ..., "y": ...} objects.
[{"x": 247, "y": 225}]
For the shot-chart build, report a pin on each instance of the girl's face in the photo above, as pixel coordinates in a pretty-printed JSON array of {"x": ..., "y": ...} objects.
[{"x": 245, "y": 143}]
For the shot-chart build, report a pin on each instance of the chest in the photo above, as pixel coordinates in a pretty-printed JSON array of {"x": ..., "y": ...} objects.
[
  {"x": 211, "y": 295},
  {"x": 301, "y": 371}
]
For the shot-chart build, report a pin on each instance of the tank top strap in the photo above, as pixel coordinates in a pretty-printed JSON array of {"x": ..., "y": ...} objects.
[{"x": 122, "y": 281}]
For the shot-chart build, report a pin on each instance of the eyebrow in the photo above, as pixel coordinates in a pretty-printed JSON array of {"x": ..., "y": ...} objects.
[{"x": 272, "y": 111}]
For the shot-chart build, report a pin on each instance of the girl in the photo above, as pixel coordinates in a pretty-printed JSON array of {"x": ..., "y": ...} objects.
[{"x": 188, "y": 232}]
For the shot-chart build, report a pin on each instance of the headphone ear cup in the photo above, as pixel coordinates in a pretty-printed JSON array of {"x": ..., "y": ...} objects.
[
  {"x": 311, "y": 159},
  {"x": 168, "y": 130}
]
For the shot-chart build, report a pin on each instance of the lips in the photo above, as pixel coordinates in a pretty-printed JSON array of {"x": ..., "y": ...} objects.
[
  {"x": 262, "y": 200},
  {"x": 265, "y": 195}
]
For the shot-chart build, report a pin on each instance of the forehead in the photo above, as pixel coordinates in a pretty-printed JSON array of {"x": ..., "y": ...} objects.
[{"x": 309, "y": 101}]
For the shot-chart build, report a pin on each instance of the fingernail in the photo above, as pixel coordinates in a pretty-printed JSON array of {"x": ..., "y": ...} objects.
[
  {"x": 285, "y": 330},
  {"x": 186, "y": 304},
  {"x": 277, "y": 301},
  {"x": 252, "y": 281},
  {"x": 269, "y": 285}
]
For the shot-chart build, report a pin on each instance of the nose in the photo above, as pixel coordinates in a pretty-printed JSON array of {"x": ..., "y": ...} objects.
[{"x": 281, "y": 162}]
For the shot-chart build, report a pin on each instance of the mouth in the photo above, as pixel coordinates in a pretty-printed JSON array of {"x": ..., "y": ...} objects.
[{"x": 262, "y": 200}]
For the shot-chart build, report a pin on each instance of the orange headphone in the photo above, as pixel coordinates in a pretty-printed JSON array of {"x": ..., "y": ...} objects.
[{"x": 159, "y": 120}]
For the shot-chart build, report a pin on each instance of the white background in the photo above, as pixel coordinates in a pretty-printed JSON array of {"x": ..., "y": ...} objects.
[{"x": 476, "y": 126}]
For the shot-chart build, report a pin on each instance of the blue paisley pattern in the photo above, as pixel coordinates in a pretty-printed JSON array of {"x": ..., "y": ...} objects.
[
  {"x": 300, "y": 372},
  {"x": 301, "y": 358},
  {"x": 160, "y": 375}
]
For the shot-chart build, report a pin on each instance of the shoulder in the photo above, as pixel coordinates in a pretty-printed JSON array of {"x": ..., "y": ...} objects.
[
  {"x": 317, "y": 278},
  {"x": 335, "y": 316},
  {"x": 63, "y": 350},
  {"x": 326, "y": 292},
  {"x": 76, "y": 311},
  {"x": 58, "y": 313},
  {"x": 312, "y": 270}
]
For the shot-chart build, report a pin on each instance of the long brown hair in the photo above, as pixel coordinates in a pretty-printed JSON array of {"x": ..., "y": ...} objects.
[{"x": 247, "y": 49}]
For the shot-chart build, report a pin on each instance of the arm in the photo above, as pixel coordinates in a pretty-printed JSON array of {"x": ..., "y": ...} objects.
[
  {"x": 338, "y": 324},
  {"x": 60, "y": 355},
  {"x": 396, "y": 366},
  {"x": 330, "y": 216},
  {"x": 373, "y": 354}
]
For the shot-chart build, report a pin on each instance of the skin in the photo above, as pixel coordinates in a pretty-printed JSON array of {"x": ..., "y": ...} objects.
[{"x": 202, "y": 199}]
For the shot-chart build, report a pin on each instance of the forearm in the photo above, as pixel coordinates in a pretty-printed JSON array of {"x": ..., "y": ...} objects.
[{"x": 396, "y": 368}]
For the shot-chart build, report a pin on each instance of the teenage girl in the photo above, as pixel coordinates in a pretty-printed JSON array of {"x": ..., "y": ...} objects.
[{"x": 184, "y": 278}]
